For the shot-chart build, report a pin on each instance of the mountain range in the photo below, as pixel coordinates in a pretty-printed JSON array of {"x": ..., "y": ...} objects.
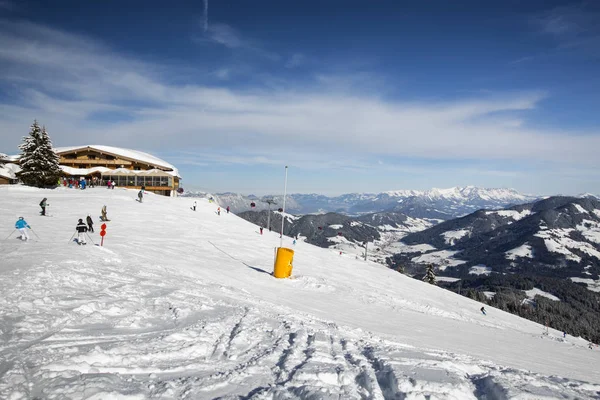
[
  {"x": 500, "y": 256},
  {"x": 442, "y": 204}
]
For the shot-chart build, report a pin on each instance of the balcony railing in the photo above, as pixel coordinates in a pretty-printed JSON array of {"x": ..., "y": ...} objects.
[{"x": 98, "y": 162}]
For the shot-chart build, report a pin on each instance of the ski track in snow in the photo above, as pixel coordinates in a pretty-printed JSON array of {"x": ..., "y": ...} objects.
[
  {"x": 99, "y": 325},
  {"x": 74, "y": 329}
]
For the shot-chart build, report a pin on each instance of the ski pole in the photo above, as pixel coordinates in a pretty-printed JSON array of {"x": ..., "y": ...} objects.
[
  {"x": 92, "y": 240},
  {"x": 72, "y": 236},
  {"x": 10, "y": 234},
  {"x": 36, "y": 235}
]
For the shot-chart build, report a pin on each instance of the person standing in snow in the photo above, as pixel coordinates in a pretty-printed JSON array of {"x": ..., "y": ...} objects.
[
  {"x": 104, "y": 217},
  {"x": 261, "y": 229},
  {"x": 21, "y": 224},
  {"x": 81, "y": 230},
  {"x": 227, "y": 209},
  {"x": 219, "y": 211},
  {"x": 90, "y": 223},
  {"x": 194, "y": 206},
  {"x": 141, "y": 196},
  {"x": 113, "y": 184},
  {"x": 43, "y": 204}
]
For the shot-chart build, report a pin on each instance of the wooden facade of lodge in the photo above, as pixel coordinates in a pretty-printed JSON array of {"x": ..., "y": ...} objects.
[{"x": 128, "y": 168}]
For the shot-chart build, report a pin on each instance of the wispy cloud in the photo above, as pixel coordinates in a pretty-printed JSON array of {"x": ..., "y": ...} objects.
[
  {"x": 64, "y": 80},
  {"x": 575, "y": 27},
  {"x": 205, "y": 15}
]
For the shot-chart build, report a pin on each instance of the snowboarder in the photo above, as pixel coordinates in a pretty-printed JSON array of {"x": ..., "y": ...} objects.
[
  {"x": 21, "y": 224},
  {"x": 90, "y": 223},
  {"x": 43, "y": 204},
  {"x": 81, "y": 230},
  {"x": 482, "y": 309},
  {"x": 227, "y": 209},
  {"x": 141, "y": 196},
  {"x": 194, "y": 206},
  {"x": 261, "y": 229},
  {"x": 104, "y": 217}
]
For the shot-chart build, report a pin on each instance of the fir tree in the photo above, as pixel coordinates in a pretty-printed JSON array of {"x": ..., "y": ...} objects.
[
  {"x": 429, "y": 275},
  {"x": 39, "y": 163}
]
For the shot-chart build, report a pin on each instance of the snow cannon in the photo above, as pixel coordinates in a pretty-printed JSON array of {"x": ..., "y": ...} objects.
[{"x": 283, "y": 263}]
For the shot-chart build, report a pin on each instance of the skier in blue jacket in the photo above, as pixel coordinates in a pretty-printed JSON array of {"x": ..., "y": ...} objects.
[{"x": 21, "y": 224}]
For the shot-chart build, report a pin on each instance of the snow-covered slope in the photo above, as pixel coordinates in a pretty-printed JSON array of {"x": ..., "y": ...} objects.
[{"x": 180, "y": 304}]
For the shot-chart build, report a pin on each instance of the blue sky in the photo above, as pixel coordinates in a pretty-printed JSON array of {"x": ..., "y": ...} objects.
[{"x": 352, "y": 96}]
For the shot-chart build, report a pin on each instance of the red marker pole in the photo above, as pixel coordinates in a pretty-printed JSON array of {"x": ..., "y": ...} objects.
[{"x": 102, "y": 233}]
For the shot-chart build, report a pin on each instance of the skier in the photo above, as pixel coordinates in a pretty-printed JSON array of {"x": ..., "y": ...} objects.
[
  {"x": 482, "y": 309},
  {"x": 564, "y": 334},
  {"x": 104, "y": 217},
  {"x": 227, "y": 209},
  {"x": 21, "y": 224},
  {"x": 194, "y": 206},
  {"x": 219, "y": 211},
  {"x": 90, "y": 223},
  {"x": 294, "y": 242},
  {"x": 261, "y": 229},
  {"x": 141, "y": 196},
  {"x": 43, "y": 204},
  {"x": 81, "y": 230},
  {"x": 113, "y": 184}
]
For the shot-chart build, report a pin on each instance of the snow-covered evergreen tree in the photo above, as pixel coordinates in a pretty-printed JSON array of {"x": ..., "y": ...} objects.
[
  {"x": 39, "y": 163},
  {"x": 429, "y": 275}
]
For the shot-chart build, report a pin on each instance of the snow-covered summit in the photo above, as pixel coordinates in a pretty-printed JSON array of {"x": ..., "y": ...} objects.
[
  {"x": 465, "y": 193},
  {"x": 180, "y": 304}
]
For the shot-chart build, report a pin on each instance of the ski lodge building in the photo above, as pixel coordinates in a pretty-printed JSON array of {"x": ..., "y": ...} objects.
[{"x": 127, "y": 168}]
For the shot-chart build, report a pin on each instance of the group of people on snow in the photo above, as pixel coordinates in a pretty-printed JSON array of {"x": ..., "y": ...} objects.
[
  {"x": 82, "y": 227},
  {"x": 80, "y": 183}
]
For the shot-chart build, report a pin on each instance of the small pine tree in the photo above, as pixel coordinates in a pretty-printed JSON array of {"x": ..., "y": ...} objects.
[
  {"x": 429, "y": 275},
  {"x": 39, "y": 163}
]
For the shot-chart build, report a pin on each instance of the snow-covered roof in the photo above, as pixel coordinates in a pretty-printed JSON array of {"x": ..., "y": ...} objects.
[
  {"x": 150, "y": 172},
  {"x": 83, "y": 171},
  {"x": 126, "y": 153},
  {"x": 9, "y": 170}
]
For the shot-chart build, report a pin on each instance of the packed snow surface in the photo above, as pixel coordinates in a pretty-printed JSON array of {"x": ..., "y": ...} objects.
[
  {"x": 181, "y": 304},
  {"x": 593, "y": 285},
  {"x": 558, "y": 241},
  {"x": 480, "y": 270},
  {"x": 452, "y": 236},
  {"x": 440, "y": 258},
  {"x": 524, "y": 250},
  {"x": 538, "y": 292},
  {"x": 516, "y": 215}
]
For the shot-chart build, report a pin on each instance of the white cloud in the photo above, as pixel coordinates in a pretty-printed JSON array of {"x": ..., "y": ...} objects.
[{"x": 65, "y": 80}]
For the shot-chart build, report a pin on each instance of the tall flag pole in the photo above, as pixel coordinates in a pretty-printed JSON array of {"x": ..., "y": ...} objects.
[{"x": 283, "y": 213}]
